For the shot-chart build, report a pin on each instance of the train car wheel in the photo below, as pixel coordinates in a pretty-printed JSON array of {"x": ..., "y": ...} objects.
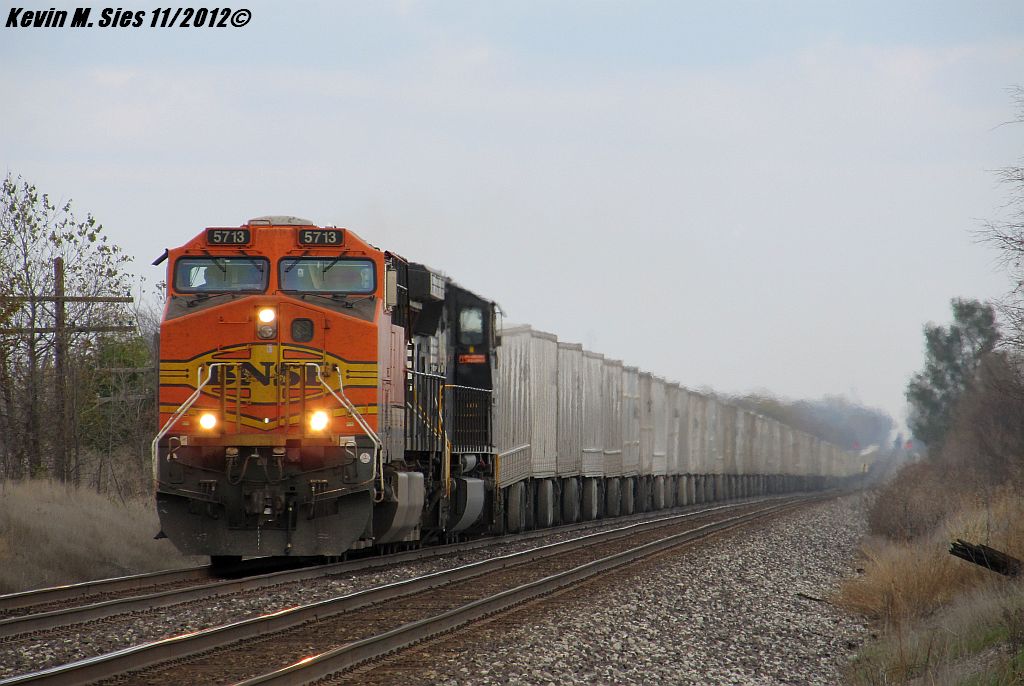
[
  {"x": 628, "y": 496},
  {"x": 529, "y": 498},
  {"x": 590, "y": 499},
  {"x": 545, "y": 504},
  {"x": 613, "y": 496},
  {"x": 643, "y": 494},
  {"x": 658, "y": 498},
  {"x": 571, "y": 500},
  {"x": 515, "y": 508},
  {"x": 683, "y": 490}
]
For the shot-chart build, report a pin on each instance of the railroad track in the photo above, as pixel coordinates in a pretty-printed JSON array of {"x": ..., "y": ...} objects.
[
  {"x": 97, "y": 591},
  {"x": 30, "y": 614},
  {"x": 89, "y": 592},
  {"x": 301, "y": 644}
]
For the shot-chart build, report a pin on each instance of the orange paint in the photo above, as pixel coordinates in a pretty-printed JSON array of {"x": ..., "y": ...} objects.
[{"x": 264, "y": 386}]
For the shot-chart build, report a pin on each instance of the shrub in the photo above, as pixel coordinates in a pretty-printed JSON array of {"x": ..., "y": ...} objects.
[
  {"x": 912, "y": 576},
  {"x": 935, "y": 609},
  {"x": 913, "y": 502}
]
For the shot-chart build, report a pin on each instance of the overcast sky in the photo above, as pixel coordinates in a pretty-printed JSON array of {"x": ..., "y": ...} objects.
[{"x": 742, "y": 195}]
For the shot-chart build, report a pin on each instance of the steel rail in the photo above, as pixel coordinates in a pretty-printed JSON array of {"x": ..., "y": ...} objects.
[
  {"x": 55, "y": 594},
  {"x": 345, "y": 657},
  {"x": 178, "y": 647},
  {"x": 43, "y": 621}
]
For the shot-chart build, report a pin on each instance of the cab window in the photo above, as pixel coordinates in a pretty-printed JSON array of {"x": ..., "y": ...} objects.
[
  {"x": 327, "y": 275},
  {"x": 221, "y": 274},
  {"x": 471, "y": 326}
]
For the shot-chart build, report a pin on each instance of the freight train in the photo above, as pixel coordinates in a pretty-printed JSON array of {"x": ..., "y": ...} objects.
[{"x": 318, "y": 395}]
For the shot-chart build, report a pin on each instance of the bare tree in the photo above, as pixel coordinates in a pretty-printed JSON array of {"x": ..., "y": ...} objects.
[
  {"x": 1007, "y": 235},
  {"x": 34, "y": 231}
]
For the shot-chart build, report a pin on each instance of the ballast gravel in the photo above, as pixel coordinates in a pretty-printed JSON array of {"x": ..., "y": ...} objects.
[
  {"x": 27, "y": 653},
  {"x": 750, "y": 608}
]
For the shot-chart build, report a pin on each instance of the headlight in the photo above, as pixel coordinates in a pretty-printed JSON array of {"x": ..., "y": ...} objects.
[
  {"x": 207, "y": 420},
  {"x": 318, "y": 420},
  {"x": 266, "y": 322}
]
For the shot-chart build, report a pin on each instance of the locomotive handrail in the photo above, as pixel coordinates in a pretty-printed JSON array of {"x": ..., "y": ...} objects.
[
  {"x": 469, "y": 388},
  {"x": 413, "y": 401},
  {"x": 446, "y": 445},
  {"x": 447, "y": 451},
  {"x": 180, "y": 412},
  {"x": 427, "y": 374},
  {"x": 347, "y": 404}
]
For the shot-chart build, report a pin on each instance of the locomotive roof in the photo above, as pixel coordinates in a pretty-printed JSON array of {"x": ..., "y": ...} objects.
[
  {"x": 449, "y": 281},
  {"x": 279, "y": 220}
]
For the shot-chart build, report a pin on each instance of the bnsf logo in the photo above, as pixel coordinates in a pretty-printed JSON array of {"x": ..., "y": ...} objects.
[{"x": 267, "y": 374}]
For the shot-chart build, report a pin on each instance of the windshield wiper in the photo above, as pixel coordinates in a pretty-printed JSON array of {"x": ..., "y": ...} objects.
[
  {"x": 253, "y": 261},
  {"x": 295, "y": 261},
  {"x": 344, "y": 296},
  {"x": 193, "y": 299},
  {"x": 219, "y": 261},
  {"x": 344, "y": 299},
  {"x": 333, "y": 262}
]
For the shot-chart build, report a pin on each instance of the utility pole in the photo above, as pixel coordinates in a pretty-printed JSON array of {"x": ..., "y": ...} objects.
[
  {"x": 60, "y": 460},
  {"x": 61, "y": 330}
]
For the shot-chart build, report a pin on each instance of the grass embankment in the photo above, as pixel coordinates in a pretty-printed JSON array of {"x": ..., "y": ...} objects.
[
  {"x": 54, "y": 534},
  {"x": 941, "y": 620}
]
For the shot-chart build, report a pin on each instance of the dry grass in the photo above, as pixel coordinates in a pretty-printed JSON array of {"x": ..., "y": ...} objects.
[
  {"x": 942, "y": 619},
  {"x": 971, "y": 640},
  {"x": 54, "y": 534},
  {"x": 906, "y": 581}
]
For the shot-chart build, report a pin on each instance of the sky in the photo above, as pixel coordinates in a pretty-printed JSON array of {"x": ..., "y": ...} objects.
[{"x": 747, "y": 196}]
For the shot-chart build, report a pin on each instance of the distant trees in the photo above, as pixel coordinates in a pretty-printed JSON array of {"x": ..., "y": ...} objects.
[
  {"x": 952, "y": 356},
  {"x": 986, "y": 434},
  {"x": 34, "y": 231},
  {"x": 967, "y": 402},
  {"x": 833, "y": 419}
]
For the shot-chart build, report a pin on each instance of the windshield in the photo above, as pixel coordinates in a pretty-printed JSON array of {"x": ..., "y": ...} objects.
[
  {"x": 220, "y": 274},
  {"x": 471, "y": 326},
  {"x": 327, "y": 275}
]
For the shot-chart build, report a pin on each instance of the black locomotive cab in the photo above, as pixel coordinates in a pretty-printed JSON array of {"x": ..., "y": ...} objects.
[
  {"x": 450, "y": 386},
  {"x": 472, "y": 338}
]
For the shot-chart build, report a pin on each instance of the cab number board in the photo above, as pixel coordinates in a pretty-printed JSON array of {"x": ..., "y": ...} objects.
[
  {"x": 321, "y": 236},
  {"x": 227, "y": 236}
]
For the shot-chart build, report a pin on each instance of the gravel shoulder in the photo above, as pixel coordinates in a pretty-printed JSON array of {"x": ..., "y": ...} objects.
[{"x": 751, "y": 607}]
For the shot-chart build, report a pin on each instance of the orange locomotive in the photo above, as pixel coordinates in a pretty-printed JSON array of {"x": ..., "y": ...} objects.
[{"x": 318, "y": 394}]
